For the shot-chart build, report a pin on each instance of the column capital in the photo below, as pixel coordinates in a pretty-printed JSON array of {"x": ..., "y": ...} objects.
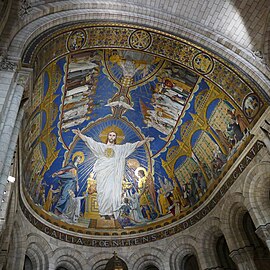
[
  {"x": 242, "y": 255},
  {"x": 6, "y": 64},
  {"x": 22, "y": 78},
  {"x": 25, "y": 8},
  {"x": 263, "y": 231}
]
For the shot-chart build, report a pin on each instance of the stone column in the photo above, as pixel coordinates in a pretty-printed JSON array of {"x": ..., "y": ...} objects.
[
  {"x": 7, "y": 74},
  {"x": 208, "y": 261},
  {"x": 243, "y": 258},
  {"x": 10, "y": 125},
  {"x": 263, "y": 231}
]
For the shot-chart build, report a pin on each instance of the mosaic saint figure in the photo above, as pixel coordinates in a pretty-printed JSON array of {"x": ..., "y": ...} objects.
[
  {"x": 49, "y": 199},
  {"x": 68, "y": 180},
  {"x": 73, "y": 210},
  {"x": 110, "y": 169}
]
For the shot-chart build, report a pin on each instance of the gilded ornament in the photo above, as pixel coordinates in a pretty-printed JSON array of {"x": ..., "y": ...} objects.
[
  {"x": 203, "y": 63},
  {"x": 140, "y": 40},
  {"x": 109, "y": 152},
  {"x": 76, "y": 40}
]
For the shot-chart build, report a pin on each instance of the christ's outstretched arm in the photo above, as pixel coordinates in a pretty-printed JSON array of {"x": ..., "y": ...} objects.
[
  {"x": 78, "y": 133},
  {"x": 147, "y": 139}
]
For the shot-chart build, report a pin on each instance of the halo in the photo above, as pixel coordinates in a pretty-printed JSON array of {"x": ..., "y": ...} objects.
[
  {"x": 104, "y": 134},
  {"x": 76, "y": 154},
  {"x": 140, "y": 169},
  {"x": 133, "y": 163}
]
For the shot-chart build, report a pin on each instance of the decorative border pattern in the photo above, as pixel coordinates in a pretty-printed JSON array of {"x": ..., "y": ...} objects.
[{"x": 115, "y": 36}]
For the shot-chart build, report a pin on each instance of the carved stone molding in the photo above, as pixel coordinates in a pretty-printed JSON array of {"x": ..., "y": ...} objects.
[
  {"x": 260, "y": 57},
  {"x": 22, "y": 79},
  {"x": 25, "y": 8},
  {"x": 263, "y": 232},
  {"x": 244, "y": 257},
  {"x": 5, "y": 64},
  {"x": 266, "y": 134}
]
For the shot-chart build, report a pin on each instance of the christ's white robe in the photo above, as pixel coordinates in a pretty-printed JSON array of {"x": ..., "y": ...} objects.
[{"x": 110, "y": 169}]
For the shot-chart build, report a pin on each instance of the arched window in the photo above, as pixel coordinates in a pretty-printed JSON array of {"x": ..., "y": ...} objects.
[
  {"x": 190, "y": 263},
  {"x": 27, "y": 263},
  {"x": 261, "y": 252},
  {"x": 151, "y": 267},
  {"x": 223, "y": 252}
]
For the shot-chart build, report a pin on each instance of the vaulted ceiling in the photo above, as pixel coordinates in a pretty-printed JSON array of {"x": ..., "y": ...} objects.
[{"x": 180, "y": 72}]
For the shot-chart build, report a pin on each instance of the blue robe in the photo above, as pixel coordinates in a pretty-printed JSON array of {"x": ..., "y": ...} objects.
[{"x": 67, "y": 181}]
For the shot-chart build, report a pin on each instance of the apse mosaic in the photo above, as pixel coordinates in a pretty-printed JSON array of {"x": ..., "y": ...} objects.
[{"x": 123, "y": 138}]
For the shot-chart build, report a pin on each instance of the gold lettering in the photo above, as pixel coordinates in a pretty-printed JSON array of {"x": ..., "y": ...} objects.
[
  {"x": 260, "y": 144},
  {"x": 115, "y": 243},
  {"x": 136, "y": 241},
  {"x": 145, "y": 239},
  {"x": 241, "y": 167},
  {"x": 54, "y": 234},
  {"x": 235, "y": 175},
  {"x": 248, "y": 159},
  {"x": 79, "y": 241},
  {"x": 252, "y": 150}
]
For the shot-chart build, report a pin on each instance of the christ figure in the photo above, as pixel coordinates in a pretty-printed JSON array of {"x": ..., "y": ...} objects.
[{"x": 110, "y": 169}]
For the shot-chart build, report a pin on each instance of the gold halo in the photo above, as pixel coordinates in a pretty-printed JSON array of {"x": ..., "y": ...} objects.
[
  {"x": 104, "y": 134},
  {"x": 140, "y": 169},
  {"x": 79, "y": 153},
  {"x": 133, "y": 163}
]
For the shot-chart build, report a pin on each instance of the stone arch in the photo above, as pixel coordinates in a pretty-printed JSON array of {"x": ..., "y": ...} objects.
[
  {"x": 103, "y": 10},
  {"x": 69, "y": 258},
  {"x": 140, "y": 11},
  {"x": 179, "y": 248},
  {"x": 231, "y": 219},
  {"x": 256, "y": 192},
  {"x": 145, "y": 257},
  {"x": 37, "y": 256},
  {"x": 38, "y": 250},
  {"x": 40, "y": 241},
  {"x": 266, "y": 47},
  {"x": 207, "y": 238},
  {"x": 79, "y": 11}
]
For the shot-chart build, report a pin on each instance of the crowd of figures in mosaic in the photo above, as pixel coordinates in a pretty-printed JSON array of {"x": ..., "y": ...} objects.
[{"x": 122, "y": 138}]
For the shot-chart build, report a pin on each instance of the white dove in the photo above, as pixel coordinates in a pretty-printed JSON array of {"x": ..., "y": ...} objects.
[{"x": 120, "y": 103}]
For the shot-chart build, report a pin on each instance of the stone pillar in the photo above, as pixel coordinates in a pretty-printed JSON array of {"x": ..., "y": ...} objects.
[
  {"x": 3, "y": 257},
  {"x": 7, "y": 74},
  {"x": 243, "y": 258},
  {"x": 208, "y": 261},
  {"x": 10, "y": 125},
  {"x": 263, "y": 231}
]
